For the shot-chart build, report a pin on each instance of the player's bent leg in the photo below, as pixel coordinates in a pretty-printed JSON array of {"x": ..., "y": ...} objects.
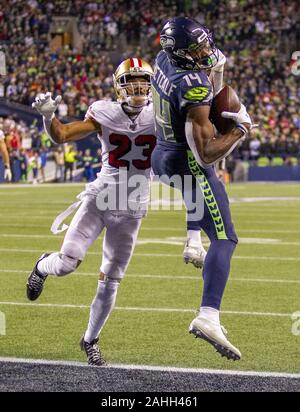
[
  {"x": 56, "y": 264},
  {"x": 84, "y": 229}
]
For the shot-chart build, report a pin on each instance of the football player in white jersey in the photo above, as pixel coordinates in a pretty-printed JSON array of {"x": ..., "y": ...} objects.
[
  {"x": 5, "y": 157},
  {"x": 126, "y": 131}
]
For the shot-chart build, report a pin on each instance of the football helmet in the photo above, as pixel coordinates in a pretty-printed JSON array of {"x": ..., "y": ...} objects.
[
  {"x": 188, "y": 44},
  {"x": 132, "y": 82}
]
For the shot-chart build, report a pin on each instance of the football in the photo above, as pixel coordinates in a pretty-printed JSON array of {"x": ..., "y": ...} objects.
[{"x": 225, "y": 101}]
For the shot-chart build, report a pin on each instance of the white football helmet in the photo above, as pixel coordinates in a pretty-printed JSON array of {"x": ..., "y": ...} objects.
[{"x": 132, "y": 82}]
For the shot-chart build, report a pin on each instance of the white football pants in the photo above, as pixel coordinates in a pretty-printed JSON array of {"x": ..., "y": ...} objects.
[{"x": 119, "y": 241}]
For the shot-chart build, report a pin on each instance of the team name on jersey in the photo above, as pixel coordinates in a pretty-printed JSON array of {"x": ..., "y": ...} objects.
[{"x": 163, "y": 82}]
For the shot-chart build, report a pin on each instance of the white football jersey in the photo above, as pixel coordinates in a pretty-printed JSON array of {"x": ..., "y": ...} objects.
[
  {"x": 127, "y": 146},
  {"x": 2, "y": 136}
]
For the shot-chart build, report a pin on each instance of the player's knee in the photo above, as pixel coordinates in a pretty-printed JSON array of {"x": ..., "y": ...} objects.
[
  {"x": 114, "y": 270},
  {"x": 231, "y": 235},
  {"x": 67, "y": 264},
  {"x": 234, "y": 239},
  {"x": 109, "y": 279}
]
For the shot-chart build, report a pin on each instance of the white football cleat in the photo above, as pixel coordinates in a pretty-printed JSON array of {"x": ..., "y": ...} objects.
[
  {"x": 194, "y": 253},
  {"x": 214, "y": 334}
]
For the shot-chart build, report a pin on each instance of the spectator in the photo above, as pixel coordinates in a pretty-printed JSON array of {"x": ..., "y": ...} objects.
[
  {"x": 257, "y": 38},
  {"x": 43, "y": 162},
  {"x": 62, "y": 111},
  {"x": 23, "y": 159},
  {"x": 70, "y": 159},
  {"x": 88, "y": 166},
  {"x": 254, "y": 147},
  {"x": 34, "y": 165},
  {"x": 59, "y": 158}
]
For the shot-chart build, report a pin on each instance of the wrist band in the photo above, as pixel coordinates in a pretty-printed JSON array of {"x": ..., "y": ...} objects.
[{"x": 242, "y": 128}]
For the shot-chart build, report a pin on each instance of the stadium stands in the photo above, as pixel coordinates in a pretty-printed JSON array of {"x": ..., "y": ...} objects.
[{"x": 257, "y": 37}]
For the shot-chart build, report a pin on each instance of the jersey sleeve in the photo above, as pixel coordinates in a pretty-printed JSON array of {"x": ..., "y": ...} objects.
[
  {"x": 103, "y": 112},
  {"x": 2, "y": 136},
  {"x": 195, "y": 90},
  {"x": 93, "y": 112}
]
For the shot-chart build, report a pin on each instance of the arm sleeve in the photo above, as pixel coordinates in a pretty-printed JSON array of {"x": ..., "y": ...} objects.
[{"x": 195, "y": 90}]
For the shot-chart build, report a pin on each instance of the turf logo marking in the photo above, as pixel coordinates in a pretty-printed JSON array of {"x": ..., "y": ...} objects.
[
  {"x": 2, "y": 324},
  {"x": 296, "y": 324}
]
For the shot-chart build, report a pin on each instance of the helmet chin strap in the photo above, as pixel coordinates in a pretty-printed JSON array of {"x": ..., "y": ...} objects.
[{"x": 132, "y": 110}]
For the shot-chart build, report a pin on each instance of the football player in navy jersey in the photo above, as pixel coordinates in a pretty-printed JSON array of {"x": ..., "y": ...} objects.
[{"x": 187, "y": 147}]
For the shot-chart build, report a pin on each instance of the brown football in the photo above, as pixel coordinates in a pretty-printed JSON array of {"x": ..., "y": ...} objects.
[{"x": 225, "y": 101}]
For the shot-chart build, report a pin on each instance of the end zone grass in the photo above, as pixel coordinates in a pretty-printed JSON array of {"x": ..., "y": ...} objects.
[{"x": 262, "y": 293}]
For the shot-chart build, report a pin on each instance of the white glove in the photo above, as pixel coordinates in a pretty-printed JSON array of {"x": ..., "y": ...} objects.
[
  {"x": 45, "y": 105},
  {"x": 7, "y": 174},
  {"x": 241, "y": 117},
  {"x": 219, "y": 67}
]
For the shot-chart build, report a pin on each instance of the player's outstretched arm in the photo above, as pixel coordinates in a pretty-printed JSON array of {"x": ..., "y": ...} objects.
[
  {"x": 70, "y": 132},
  {"x": 201, "y": 130},
  {"x": 57, "y": 131}
]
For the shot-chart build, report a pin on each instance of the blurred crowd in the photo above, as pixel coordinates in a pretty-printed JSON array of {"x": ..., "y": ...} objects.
[
  {"x": 256, "y": 36},
  {"x": 31, "y": 150}
]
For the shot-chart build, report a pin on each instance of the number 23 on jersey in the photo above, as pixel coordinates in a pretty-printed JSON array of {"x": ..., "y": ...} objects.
[{"x": 124, "y": 146}]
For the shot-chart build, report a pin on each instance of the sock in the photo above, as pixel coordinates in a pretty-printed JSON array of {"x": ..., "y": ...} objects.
[
  {"x": 216, "y": 271},
  {"x": 194, "y": 236},
  {"x": 101, "y": 307},
  {"x": 210, "y": 313},
  {"x": 57, "y": 264}
]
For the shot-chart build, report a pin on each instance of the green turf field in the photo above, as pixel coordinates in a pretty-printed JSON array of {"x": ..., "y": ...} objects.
[{"x": 158, "y": 297}]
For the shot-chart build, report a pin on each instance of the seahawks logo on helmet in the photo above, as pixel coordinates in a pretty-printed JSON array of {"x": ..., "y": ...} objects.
[
  {"x": 167, "y": 41},
  {"x": 181, "y": 36}
]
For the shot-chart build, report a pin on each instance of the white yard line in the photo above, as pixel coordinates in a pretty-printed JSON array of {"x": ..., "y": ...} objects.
[
  {"x": 156, "y": 368},
  {"x": 254, "y": 222},
  {"x": 167, "y": 277},
  {"x": 154, "y": 255},
  {"x": 39, "y": 186},
  {"x": 141, "y": 309},
  {"x": 22, "y": 236},
  {"x": 175, "y": 241},
  {"x": 161, "y": 229}
]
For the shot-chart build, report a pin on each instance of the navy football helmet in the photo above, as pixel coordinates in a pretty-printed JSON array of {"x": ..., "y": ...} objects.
[{"x": 188, "y": 44}]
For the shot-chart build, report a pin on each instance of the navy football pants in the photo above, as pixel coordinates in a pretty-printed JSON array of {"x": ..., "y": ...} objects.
[{"x": 215, "y": 218}]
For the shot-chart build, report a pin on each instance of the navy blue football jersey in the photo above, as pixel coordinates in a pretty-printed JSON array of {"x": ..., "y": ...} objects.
[{"x": 175, "y": 90}]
